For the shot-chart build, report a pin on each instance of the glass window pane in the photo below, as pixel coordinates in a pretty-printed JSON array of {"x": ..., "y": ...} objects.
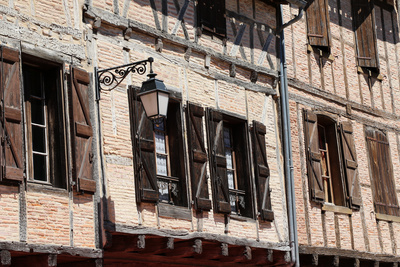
[
  {"x": 38, "y": 139},
  {"x": 231, "y": 183},
  {"x": 160, "y": 142},
  {"x": 37, "y": 111},
  {"x": 232, "y": 200},
  {"x": 227, "y": 137},
  {"x": 32, "y": 81},
  {"x": 163, "y": 190},
  {"x": 162, "y": 165},
  {"x": 39, "y": 167}
]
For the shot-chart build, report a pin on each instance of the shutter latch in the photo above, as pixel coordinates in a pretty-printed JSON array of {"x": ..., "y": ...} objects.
[{"x": 91, "y": 157}]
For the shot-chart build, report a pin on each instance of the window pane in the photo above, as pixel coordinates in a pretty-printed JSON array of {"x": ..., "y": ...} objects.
[
  {"x": 162, "y": 165},
  {"x": 163, "y": 190},
  {"x": 37, "y": 111},
  {"x": 227, "y": 137},
  {"x": 39, "y": 167},
  {"x": 231, "y": 183},
  {"x": 232, "y": 200},
  {"x": 33, "y": 82},
  {"x": 38, "y": 139},
  {"x": 160, "y": 142}
]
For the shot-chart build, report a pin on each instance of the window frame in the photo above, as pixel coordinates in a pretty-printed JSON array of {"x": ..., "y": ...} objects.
[
  {"x": 55, "y": 132},
  {"x": 217, "y": 120},
  {"x": 144, "y": 152},
  {"x": 346, "y": 179}
]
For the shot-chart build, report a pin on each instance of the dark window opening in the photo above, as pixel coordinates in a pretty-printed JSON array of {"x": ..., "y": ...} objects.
[
  {"x": 44, "y": 122},
  {"x": 211, "y": 16}
]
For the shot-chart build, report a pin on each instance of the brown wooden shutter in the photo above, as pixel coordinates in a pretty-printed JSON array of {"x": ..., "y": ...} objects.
[
  {"x": 218, "y": 161},
  {"x": 385, "y": 197},
  {"x": 197, "y": 157},
  {"x": 262, "y": 174},
  {"x": 318, "y": 31},
  {"x": 81, "y": 131},
  {"x": 313, "y": 157},
  {"x": 350, "y": 165},
  {"x": 364, "y": 27},
  {"x": 143, "y": 151},
  {"x": 11, "y": 158}
]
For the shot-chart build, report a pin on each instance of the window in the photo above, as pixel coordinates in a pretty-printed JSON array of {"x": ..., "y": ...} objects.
[
  {"x": 230, "y": 164},
  {"x": 158, "y": 155},
  {"x": 44, "y": 123},
  {"x": 45, "y": 128},
  {"x": 211, "y": 16},
  {"x": 385, "y": 198},
  {"x": 318, "y": 31},
  {"x": 331, "y": 161},
  {"x": 364, "y": 28}
]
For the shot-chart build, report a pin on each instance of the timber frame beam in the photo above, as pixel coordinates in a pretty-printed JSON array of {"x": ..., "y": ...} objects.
[{"x": 312, "y": 256}]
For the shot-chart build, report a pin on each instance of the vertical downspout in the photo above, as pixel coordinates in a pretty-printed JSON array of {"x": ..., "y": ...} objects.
[{"x": 287, "y": 147}]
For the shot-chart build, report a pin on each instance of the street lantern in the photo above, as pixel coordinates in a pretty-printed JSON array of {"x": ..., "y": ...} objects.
[
  {"x": 153, "y": 94},
  {"x": 155, "y": 97}
]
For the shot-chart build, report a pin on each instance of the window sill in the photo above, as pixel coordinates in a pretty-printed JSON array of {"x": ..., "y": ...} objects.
[
  {"x": 337, "y": 209},
  {"x": 241, "y": 218},
  {"x": 389, "y": 218},
  {"x": 170, "y": 211},
  {"x": 46, "y": 188}
]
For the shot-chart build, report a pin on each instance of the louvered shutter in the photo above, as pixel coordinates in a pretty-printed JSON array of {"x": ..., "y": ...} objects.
[
  {"x": 143, "y": 151},
  {"x": 318, "y": 23},
  {"x": 385, "y": 198},
  {"x": 218, "y": 162},
  {"x": 350, "y": 165},
  {"x": 197, "y": 157},
  {"x": 313, "y": 157},
  {"x": 364, "y": 26},
  {"x": 11, "y": 158},
  {"x": 262, "y": 173},
  {"x": 81, "y": 131}
]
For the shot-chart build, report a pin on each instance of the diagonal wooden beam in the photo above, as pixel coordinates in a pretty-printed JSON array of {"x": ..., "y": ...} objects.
[{"x": 237, "y": 45}]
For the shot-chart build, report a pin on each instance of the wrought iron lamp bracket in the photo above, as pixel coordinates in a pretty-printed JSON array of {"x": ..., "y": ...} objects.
[{"x": 109, "y": 79}]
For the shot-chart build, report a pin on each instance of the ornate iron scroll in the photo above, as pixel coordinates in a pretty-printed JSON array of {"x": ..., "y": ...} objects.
[{"x": 110, "y": 78}]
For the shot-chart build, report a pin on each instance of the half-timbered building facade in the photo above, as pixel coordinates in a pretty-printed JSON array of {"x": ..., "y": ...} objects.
[
  {"x": 343, "y": 75},
  {"x": 88, "y": 179}
]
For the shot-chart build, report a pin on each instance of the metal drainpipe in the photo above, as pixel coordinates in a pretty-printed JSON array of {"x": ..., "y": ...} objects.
[{"x": 287, "y": 137}]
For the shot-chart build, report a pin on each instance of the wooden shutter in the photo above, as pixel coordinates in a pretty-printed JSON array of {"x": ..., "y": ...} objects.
[
  {"x": 218, "y": 161},
  {"x": 350, "y": 165},
  {"x": 364, "y": 27},
  {"x": 197, "y": 157},
  {"x": 211, "y": 16},
  {"x": 313, "y": 156},
  {"x": 81, "y": 131},
  {"x": 318, "y": 31},
  {"x": 385, "y": 197},
  {"x": 143, "y": 151},
  {"x": 262, "y": 174},
  {"x": 11, "y": 158}
]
